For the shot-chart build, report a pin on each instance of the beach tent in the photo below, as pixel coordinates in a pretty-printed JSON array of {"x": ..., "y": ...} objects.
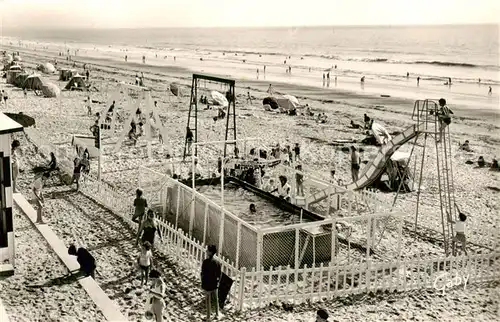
[
  {"x": 66, "y": 74},
  {"x": 11, "y": 76},
  {"x": 174, "y": 88},
  {"x": 285, "y": 104},
  {"x": 51, "y": 90},
  {"x": 20, "y": 78},
  {"x": 76, "y": 83},
  {"x": 219, "y": 99},
  {"x": 34, "y": 82},
  {"x": 46, "y": 68},
  {"x": 271, "y": 101},
  {"x": 292, "y": 99}
]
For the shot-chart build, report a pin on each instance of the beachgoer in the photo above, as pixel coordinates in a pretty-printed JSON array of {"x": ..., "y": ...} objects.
[
  {"x": 210, "y": 277},
  {"x": 144, "y": 260},
  {"x": 490, "y": 91},
  {"x": 444, "y": 117},
  {"x": 459, "y": 227},
  {"x": 249, "y": 98},
  {"x": 197, "y": 169},
  {"x": 88, "y": 75},
  {"x": 53, "y": 162},
  {"x": 355, "y": 125},
  {"x": 407, "y": 75},
  {"x": 157, "y": 293},
  {"x": 257, "y": 176},
  {"x": 283, "y": 188},
  {"x": 363, "y": 79},
  {"x": 140, "y": 205},
  {"x": 25, "y": 92},
  {"x": 252, "y": 208},
  {"x": 89, "y": 106},
  {"x": 126, "y": 58},
  {"x": 189, "y": 139},
  {"x": 270, "y": 89},
  {"x": 14, "y": 148},
  {"x": 85, "y": 259},
  {"x": 480, "y": 161},
  {"x": 418, "y": 80},
  {"x": 380, "y": 133},
  {"x": 299, "y": 181},
  {"x": 332, "y": 176},
  {"x": 465, "y": 146},
  {"x": 77, "y": 168},
  {"x": 321, "y": 316},
  {"x": 85, "y": 162},
  {"x": 147, "y": 230},
  {"x": 264, "y": 69},
  {"x": 39, "y": 199},
  {"x": 449, "y": 81},
  {"x": 296, "y": 151},
  {"x": 355, "y": 163}
]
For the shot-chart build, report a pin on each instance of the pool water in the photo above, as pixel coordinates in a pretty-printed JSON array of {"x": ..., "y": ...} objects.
[{"x": 237, "y": 201}]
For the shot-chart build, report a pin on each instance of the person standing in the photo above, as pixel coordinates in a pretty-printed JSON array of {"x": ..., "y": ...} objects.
[
  {"x": 77, "y": 168},
  {"x": 147, "y": 230},
  {"x": 87, "y": 73},
  {"x": 144, "y": 260},
  {"x": 140, "y": 205},
  {"x": 355, "y": 163},
  {"x": 444, "y": 117},
  {"x": 14, "y": 148},
  {"x": 39, "y": 199},
  {"x": 157, "y": 294},
  {"x": 299, "y": 181},
  {"x": 210, "y": 278},
  {"x": 418, "y": 80},
  {"x": 296, "y": 150},
  {"x": 490, "y": 91},
  {"x": 459, "y": 227}
]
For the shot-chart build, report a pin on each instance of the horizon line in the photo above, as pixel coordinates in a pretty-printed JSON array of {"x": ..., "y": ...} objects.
[{"x": 251, "y": 27}]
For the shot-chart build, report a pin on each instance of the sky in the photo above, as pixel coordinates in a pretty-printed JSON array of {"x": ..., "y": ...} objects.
[{"x": 244, "y": 13}]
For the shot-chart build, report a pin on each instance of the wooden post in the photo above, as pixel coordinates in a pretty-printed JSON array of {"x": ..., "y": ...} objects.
[
  {"x": 205, "y": 224},
  {"x": 238, "y": 245},
  {"x": 221, "y": 230},
  {"x": 242, "y": 288}
]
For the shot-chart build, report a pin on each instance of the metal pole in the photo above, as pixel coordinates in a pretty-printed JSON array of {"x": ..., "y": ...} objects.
[
  {"x": 193, "y": 181},
  {"x": 100, "y": 156},
  {"x": 420, "y": 180},
  {"x": 222, "y": 184}
]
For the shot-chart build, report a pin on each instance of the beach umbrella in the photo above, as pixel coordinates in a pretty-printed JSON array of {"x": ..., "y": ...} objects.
[
  {"x": 16, "y": 67},
  {"x": 292, "y": 99},
  {"x": 174, "y": 88},
  {"x": 22, "y": 119},
  {"x": 219, "y": 99},
  {"x": 76, "y": 82},
  {"x": 46, "y": 68},
  {"x": 51, "y": 90},
  {"x": 271, "y": 101},
  {"x": 285, "y": 104}
]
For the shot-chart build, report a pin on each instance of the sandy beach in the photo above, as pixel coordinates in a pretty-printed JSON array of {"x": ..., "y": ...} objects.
[{"x": 476, "y": 189}]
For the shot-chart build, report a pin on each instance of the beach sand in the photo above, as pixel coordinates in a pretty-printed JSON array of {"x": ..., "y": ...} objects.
[{"x": 58, "y": 119}]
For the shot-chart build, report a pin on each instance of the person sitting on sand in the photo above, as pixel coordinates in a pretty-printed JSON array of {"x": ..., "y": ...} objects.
[
  {"x": 144, "y": 260},
  {"x": 309, "y": 111},
  {"x": 494, "y": 164},
  {"x": 380, "y": 133},
  {"x": 367, "y": 120},
  {"x": 52, "y": 163},
  {"x": 444, "y": 117},
  {"x": 140, "y": 205},
  {"x": 85, "y": 259},
  {"x": 459, "y": 228},
  {"x": 252, "y": 208},
  {"x": 465, "y": 146},
  {"x": 355, "y": 125},
  {"x": 480, "y": 162}
]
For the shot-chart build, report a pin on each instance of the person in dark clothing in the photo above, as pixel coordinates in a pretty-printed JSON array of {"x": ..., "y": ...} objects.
[
  {"x": 88, "y": 75},
  {"x": 85, "y": 259},
  {"x": 367, "y": 121},
  {"x": 189, "y": 138},
  {"x": 147, "y": 230},
  {"x": 53, "y": 162},
  {"x": 296, "y": 149},
  {"x": 210, "y": 277}
]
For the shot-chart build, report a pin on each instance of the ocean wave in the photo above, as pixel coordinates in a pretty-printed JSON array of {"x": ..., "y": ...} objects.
[{"x": 447, "y": 63}]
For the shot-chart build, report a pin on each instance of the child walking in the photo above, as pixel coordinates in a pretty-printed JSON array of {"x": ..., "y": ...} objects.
[
  {"x": 144, "y": 260},
  {"x": 459, "y": 227}
]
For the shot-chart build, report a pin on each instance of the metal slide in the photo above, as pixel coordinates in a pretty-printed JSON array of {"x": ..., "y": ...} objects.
[{"x": 375, "y": 167}]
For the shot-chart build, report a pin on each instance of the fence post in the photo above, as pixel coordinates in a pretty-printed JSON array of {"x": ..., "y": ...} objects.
[
  {"x": 296, "y": 273},
  {"x": 259, "y": 251},
  {"x": 242, "y": 288},
  {"x": 221, "y": 230},
  {"x": 238, "y": 245},
  {"x": 179, "y": 243},
  {"x": 191, "y": 216},
  {"x": 205, "y": 224}
]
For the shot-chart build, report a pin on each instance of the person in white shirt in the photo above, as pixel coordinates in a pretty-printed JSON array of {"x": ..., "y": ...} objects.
[
  {"x": 283, "y": 189},
  {"x": 156, "y": 303},
  {"x": 459, "y": 227},
  {"x": 269, "y": 184},
  {"x": 380, "y": 133},
  {"x": 144, "y": 260},
  {"x": 37, "y": 191}
]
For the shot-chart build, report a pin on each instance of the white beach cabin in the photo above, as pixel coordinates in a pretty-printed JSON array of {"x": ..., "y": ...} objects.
[{"x": 7, "y": 254}]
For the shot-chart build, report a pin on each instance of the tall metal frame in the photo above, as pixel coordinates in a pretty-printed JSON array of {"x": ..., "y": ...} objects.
[
  {"x": 426, "y": 114},
  {"x": 193, "y": 114}
]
